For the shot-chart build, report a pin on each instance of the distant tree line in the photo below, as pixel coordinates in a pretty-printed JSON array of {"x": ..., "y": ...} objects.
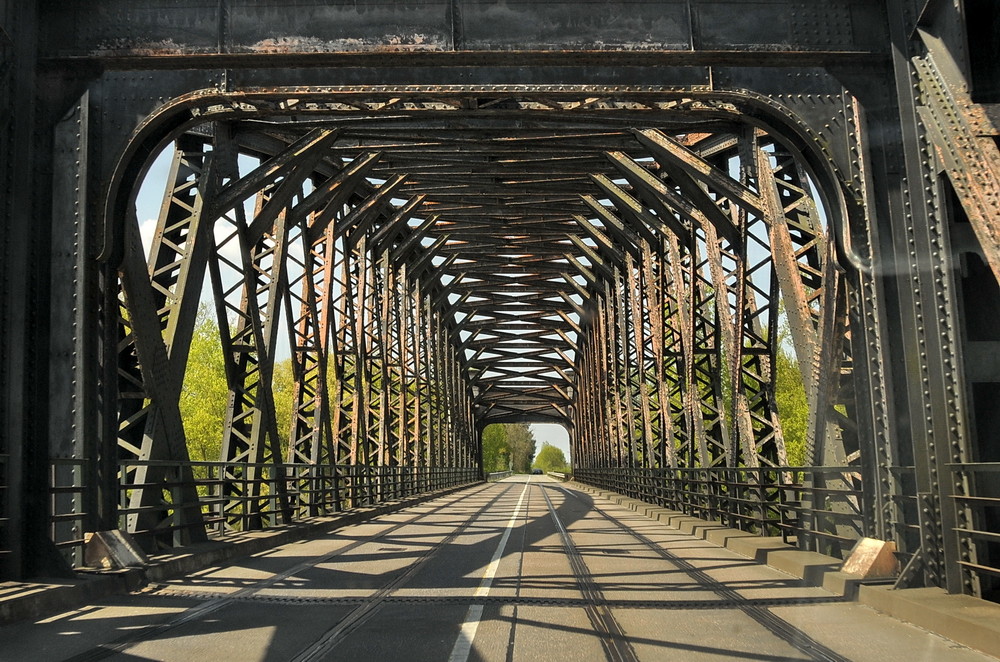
[
  {"x": 551, "y": 458},
  {"x": 508, "y": 446}
]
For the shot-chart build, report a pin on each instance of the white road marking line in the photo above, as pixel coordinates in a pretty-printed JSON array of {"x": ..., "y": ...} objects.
[{"x": 463, "y": 645}]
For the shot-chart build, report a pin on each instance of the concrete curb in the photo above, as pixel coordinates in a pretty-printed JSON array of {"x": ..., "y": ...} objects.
[
  {"x": 963, "y": 619},
  {"x": 812, "y": 568},
  {"x": 32, "y": 600}
]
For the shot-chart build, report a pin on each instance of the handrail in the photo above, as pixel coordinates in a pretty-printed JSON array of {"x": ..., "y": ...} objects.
[
  {"x": 973, "y": 529},
  {"x": 817, "y": 508},
  {"x": 280, "y": 493}
]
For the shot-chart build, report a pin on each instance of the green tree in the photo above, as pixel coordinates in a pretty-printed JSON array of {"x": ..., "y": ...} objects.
[
  {"x": 793, "y": 408},
  {"x": 205, "y": 393},
  {"x": 522, "y": 447},
  {"x": 496, "y": 451},
  {"x": 508, "y": 446},
  {"x": 551, "y": 458},
  {"x": 790, "y": 394},
  {"x": 283, "y": 388}
]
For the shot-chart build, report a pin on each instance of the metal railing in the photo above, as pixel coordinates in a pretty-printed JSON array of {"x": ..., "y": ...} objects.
[
  {"x": 498, "y": 475},
  {"x": 67, "y": 513},
  {"x": 817, "y": 508},
  {"x": 901, "y": 513},
  {"x": 5, "y": 535},
  {"x": 231, "y": 497},
  {"x": 977, "y": 532}
]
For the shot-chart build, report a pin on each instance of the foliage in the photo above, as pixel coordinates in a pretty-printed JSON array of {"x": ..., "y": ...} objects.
[
  {"x": 793, "y": 408},
  {"x": 551, "y": 458},
  {"x": 508, "y": 446},
  {"x": 522, "y": 447},
  {"x": 283, "y": 388},
  {"x": 505, "y": 446},
  {"x": 790, "y": 395},
  {"x": 205, "y": 393},
  {"x": 496, "y": 451}
]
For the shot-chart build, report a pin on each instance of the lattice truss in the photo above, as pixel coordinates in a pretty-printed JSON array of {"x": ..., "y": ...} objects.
[
  {"x": 713, "y": 232},
  {"x": 441, "y": 264}
]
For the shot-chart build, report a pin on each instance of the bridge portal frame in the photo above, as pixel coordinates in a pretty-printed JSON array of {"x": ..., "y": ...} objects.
[{"x": 905, "y": 158}]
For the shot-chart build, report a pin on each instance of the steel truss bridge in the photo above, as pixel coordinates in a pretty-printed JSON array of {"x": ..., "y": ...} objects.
[{"x": 458, "y": 213}]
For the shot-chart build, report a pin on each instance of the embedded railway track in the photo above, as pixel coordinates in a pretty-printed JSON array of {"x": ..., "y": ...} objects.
[
  {"x": 364, "y": 611},
  {"x": 731, "y": 598},
  {"x": 491, "y": 570}
]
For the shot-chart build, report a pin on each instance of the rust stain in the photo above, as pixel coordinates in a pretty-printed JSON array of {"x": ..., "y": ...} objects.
[
  {"x": 692, "y": 138},
  {"x": 279, "y": 46},
  {"x": 391, "y": 43},
  {"x": 132, "y": 47}
]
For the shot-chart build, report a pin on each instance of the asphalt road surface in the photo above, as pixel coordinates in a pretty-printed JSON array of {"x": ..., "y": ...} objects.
[{"x": 524, "y": 569}]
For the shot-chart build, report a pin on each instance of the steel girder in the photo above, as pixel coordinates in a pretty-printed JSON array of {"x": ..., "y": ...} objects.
[
  {"x": 514, "y": 347},
  {"x": 353, "y": 397},
  {"x": 726, "y": 296},
  {"x": 238, "y": 34},
  {"x": 651, "y": 274}
]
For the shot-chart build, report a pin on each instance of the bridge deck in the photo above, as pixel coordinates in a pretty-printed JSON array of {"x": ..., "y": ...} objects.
[{"x": 524, "y": 569}]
